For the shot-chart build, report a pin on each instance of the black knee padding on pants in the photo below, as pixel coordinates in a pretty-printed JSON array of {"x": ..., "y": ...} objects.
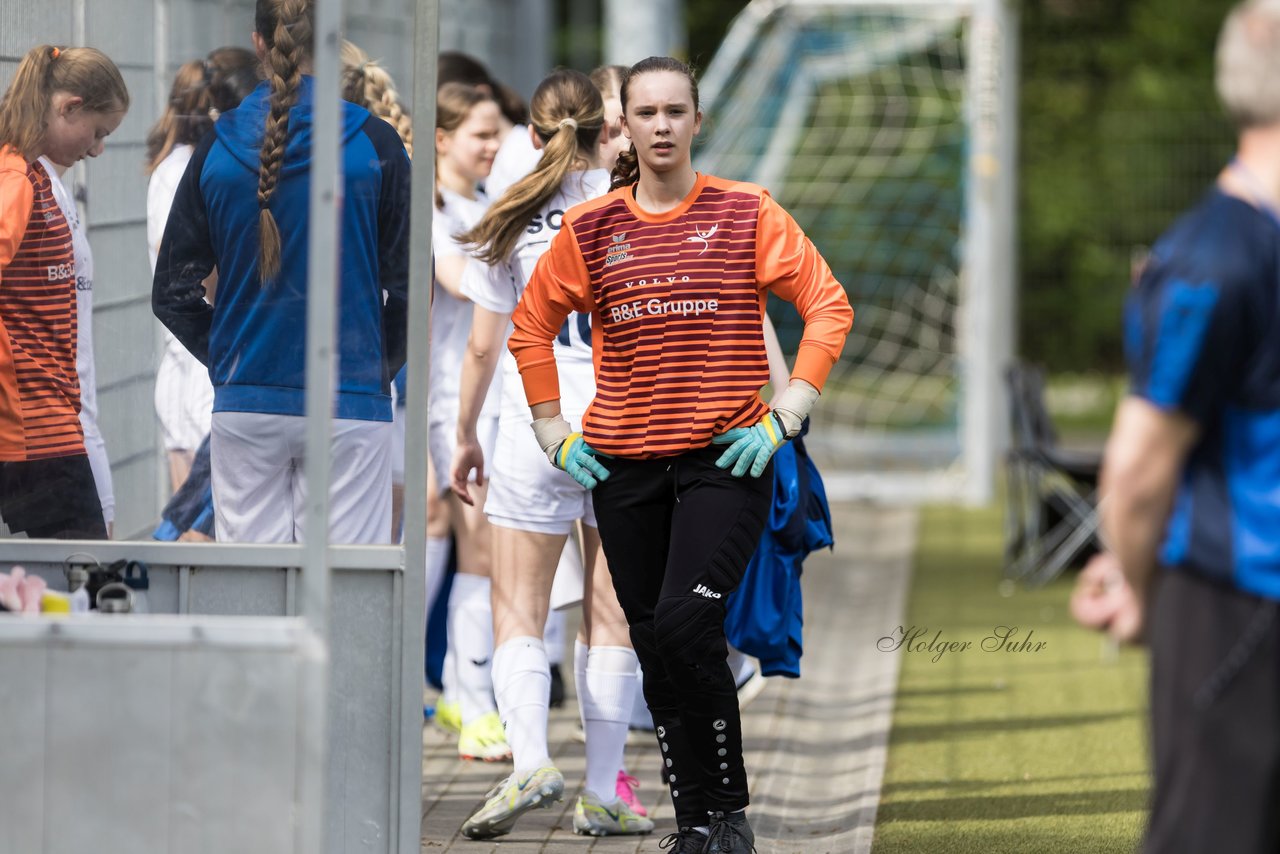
[{"x": 690, "y": 637}]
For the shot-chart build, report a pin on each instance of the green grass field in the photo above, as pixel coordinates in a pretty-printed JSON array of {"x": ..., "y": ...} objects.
[{"x": 1035, "y": 751}]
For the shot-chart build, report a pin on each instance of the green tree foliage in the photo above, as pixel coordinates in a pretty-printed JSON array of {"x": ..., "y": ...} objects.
[
  {"x": 708, "y": 21},
  {"x": 1120, "y": 131}
]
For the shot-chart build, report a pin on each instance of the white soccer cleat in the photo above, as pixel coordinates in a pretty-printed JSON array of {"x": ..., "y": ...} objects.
[
  {"x": 512, "y": 798},
  {"x": 591, "y": 817}
]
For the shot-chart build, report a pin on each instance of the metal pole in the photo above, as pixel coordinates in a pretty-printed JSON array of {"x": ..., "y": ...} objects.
[
  {"x": 634, "y": 31},
  {"x": 322, "y": 287},
  {"x": 988, "y": 243},
  {"x": 1006, "y": 327},
  {"x": 422, "y": 207},
  {"x": 160, "y": 74}
]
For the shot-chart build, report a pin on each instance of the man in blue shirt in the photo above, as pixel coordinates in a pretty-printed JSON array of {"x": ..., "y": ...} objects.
[{"x": 1191, "y": 482}]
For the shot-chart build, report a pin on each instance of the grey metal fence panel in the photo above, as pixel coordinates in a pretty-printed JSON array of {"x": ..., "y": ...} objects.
[
  {"x": 122, "y": 29},
  {"x": 24, "y": 24},
  {"x": 198, "y": 26},
  {"x": 22, "y": 785},
  {"x": 139, "y": 734},
  {"x": 248, "y": 592},
  {"x": 363, "y": 720},
  {"x": 120, "y": 252},
  {"x": 368, "y": 676}
]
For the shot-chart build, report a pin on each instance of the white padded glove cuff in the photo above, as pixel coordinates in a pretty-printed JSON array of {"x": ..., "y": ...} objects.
[
  {"x": 794, "y": 405},
  {"x": 550, "y": 433}
]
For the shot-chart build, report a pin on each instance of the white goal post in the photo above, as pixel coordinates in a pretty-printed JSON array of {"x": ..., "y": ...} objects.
[{"x": 887, "y": 129}]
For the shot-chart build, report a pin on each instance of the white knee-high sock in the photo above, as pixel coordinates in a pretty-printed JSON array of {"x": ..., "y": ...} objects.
[
  {"x": 523, "y": 684},
  {"x": 580, "y": 676},
  {"x": 449, "y": 677},
  {"x": 606, "y": 707},
  {"x": 437, "y": 562},
  {"x": 641, "y": 718},
  {"x": 553, "y": 637},
  {"x": 471, "y": 639}
]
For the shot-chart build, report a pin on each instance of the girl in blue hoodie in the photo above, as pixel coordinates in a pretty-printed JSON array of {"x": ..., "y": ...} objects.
[{"x": 242, "y": 207}]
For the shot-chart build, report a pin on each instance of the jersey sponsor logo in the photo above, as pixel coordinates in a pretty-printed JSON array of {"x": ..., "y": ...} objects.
[
  {"x": 620, "y": 250},
  {"x": 553, "y": 220},
  {"x": 659, "y": 308},
  {"x": 702, "y": 236},
  {"x": 707, "y": 593},
  {"x": 658, "y": 280}
]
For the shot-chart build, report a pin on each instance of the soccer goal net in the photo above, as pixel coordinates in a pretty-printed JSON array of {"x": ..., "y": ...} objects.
[{"x": 886, "y": 130}]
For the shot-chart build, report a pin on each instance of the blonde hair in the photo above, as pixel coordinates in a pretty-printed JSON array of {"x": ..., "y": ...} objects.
[
  {"x": 286, "y": 27},
  {"x": 454, "y": 102},
  {"x": 368, "y": 84},
  {"x": 201, "y": 90},
  {"x": 608, "y": 79},
  {"x": 84, "y": 72},
  {"x": 567, "y": 113},
  {"x": 1248, "y": 63}
]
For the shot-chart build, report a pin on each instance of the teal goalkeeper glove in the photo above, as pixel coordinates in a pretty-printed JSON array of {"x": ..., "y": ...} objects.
[
  {"x": 569, "y": 452},
  {"x": 752, "y": 447}
]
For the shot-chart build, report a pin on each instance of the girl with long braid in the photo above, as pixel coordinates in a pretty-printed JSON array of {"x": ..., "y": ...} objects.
[{"x": 242, "y": 207}]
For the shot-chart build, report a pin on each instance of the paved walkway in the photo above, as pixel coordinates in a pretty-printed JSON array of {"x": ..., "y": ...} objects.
[{"x": 815, "y": 746}]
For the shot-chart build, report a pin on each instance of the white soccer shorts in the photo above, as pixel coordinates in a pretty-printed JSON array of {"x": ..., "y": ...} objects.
[{"x": 258, "y": 486}]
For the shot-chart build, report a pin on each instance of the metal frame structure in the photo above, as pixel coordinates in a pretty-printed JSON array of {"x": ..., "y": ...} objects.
[
  {"x": 314, "y": 556},
  {"x": 986, "y": 340}
]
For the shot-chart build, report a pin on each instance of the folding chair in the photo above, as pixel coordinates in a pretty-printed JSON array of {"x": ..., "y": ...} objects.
[{"x": 1051, "y": 516}]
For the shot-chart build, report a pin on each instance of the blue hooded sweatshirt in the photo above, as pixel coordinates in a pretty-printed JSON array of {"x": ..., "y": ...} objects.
[{"x": 253, "y": 340}]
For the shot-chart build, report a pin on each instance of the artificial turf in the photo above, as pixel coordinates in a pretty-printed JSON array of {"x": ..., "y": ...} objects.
[{"x": 1036, "y": 750}]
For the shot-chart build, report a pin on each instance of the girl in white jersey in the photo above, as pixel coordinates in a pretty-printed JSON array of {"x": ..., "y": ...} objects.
[
  {"x": 466, "y": 139},
  {"x": 533, "y": 508},
  {"x": 202, "y": 90},
  {"x": 93, "y": 442}
]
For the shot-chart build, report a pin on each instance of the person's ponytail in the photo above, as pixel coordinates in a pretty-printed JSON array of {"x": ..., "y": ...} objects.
[
  {"x": 567, "y": 113},
  {"x": 627, "y": 170}
]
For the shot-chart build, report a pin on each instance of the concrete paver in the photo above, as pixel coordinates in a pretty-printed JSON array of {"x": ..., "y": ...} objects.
[{"x": 815, "y": 746}]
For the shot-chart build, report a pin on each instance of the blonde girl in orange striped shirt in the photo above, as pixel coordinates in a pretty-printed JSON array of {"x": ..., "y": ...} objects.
[{"x": 62, "y": 104}]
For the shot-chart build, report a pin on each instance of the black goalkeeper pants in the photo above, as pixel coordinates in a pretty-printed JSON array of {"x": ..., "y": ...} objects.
[{"x": 678, "y": 534}]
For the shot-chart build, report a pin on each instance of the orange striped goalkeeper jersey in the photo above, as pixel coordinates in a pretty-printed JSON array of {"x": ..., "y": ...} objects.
[
  {"x": 677, "y": 304},
  {"x": 39, "y": 388}
]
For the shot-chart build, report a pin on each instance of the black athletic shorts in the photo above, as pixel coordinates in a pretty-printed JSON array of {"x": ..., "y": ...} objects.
[{"x": 52, "y": 498}]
